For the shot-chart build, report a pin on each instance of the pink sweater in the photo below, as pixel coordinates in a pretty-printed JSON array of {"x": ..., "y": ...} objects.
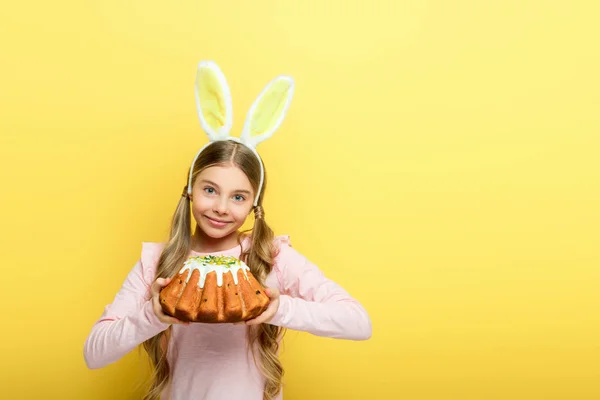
[{"x": 211, "y": 361}]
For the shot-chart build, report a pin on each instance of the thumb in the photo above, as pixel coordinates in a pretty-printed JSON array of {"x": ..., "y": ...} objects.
[
  {"x": 273, "y": 293},
  {"x": 159, "y": 283}
]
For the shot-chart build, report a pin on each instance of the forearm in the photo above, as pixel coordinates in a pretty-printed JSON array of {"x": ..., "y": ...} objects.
[
  {"x": 339, "y": 319},
  {"x": 112, "y": 338}
]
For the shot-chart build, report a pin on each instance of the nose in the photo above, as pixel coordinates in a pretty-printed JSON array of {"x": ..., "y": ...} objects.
[{"x": 220, "y": 206}]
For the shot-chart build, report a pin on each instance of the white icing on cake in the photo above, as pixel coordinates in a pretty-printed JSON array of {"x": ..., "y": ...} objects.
[{"x": 219, "y": 264}]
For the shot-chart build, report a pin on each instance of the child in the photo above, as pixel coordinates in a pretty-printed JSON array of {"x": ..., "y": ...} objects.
[{"x": 226, "y": 182}]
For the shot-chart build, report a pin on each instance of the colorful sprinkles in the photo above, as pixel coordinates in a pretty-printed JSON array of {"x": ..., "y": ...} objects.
[{"x": 225, "y": 261}]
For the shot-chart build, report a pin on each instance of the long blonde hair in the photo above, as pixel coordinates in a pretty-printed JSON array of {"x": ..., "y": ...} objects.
[{"x": 259, "y": 257}]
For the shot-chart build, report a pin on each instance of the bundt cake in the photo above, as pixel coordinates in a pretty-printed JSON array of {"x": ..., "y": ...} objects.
[{"x": 214, "y": 289}]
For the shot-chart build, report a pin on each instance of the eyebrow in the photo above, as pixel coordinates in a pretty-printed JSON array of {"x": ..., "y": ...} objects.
[{"x": 235, "y": 191}]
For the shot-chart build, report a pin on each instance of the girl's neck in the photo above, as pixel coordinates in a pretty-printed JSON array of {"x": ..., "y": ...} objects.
[{"x": 202, "y": 243}]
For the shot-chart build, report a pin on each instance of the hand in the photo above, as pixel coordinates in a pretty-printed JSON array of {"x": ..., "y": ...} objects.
[
  {"x": 158, "y": 311},
  {"x": 268, "y": 314}
]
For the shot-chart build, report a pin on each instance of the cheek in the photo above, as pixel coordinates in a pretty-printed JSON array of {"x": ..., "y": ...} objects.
[
  {"x": 200, "y": 205},
  {"x": 240, "y": 213}
]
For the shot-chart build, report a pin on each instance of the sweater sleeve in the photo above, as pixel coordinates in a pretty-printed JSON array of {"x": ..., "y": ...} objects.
[
  {"x": 129, "y": 320},
  {"x": 311, "y": 302}
]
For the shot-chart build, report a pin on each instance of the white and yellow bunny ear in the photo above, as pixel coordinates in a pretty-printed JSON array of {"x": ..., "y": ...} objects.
[
  {"x": 213, "y": 101},
  {"x": 268, "y": 111}
]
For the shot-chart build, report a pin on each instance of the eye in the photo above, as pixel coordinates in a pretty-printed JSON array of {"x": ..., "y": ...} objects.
[
  {"x": 239, "y": 197},
  {"x": 209, "y": 190}
]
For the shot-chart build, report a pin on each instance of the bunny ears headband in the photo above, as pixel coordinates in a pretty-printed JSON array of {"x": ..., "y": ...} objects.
[{"x": 213, "y": 102}]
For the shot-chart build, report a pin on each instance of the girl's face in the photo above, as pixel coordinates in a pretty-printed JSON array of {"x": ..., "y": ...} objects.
[{"x": 222, "y": 198}]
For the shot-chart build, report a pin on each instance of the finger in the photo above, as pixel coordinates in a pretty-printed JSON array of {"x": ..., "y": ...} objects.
[
  {"x": 170, "y": 320},
  {"x": 166, "y": 318},
  {"x": 273, "y": 293},
  {"x": 260, "y": 319},
  {"x": 158, "y": 310},
  {"x": 156, "y": 285},
  {"x": 159, "y": 283},
  {"x": 162, "y": 281}
]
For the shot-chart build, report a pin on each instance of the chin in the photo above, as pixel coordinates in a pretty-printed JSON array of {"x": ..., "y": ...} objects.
[{"x": 216, "y": 233}]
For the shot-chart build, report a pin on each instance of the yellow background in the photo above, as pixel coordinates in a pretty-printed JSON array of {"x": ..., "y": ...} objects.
[{"x": 439, "y": 161}]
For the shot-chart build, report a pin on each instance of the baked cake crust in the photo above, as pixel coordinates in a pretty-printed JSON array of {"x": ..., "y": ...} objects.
[{"x": 214, "y": 289}]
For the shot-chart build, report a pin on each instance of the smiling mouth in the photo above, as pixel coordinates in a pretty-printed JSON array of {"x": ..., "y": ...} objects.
[{"x": 218, "y": 221}]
